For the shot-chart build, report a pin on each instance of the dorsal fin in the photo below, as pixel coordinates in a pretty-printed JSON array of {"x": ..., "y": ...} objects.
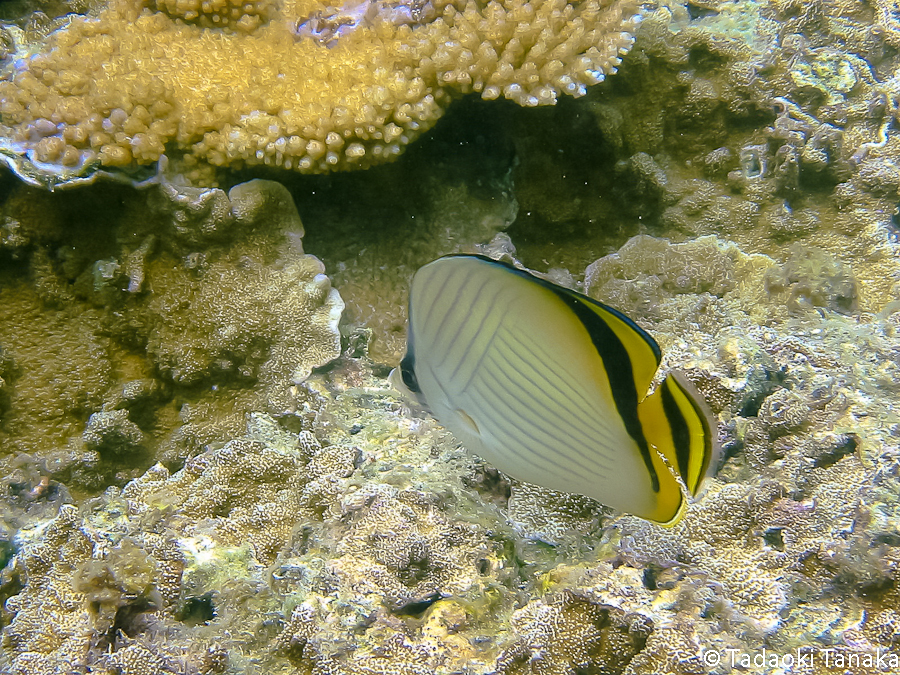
[{"x": 643, "y": 351}]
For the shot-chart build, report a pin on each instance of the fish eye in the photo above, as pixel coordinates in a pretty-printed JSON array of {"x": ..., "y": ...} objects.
[
  {"x": 408, "y": 374},
  {"x": 409, "y": 379}
]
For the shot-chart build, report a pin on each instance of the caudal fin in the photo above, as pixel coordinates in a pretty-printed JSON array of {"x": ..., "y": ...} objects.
[{"x": 680, "y": 427}]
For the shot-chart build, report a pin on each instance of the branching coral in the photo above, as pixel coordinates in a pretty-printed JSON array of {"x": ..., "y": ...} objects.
[{"x": 313, "y": 89}]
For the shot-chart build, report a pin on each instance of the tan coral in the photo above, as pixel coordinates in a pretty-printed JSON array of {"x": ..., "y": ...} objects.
[
  {"x": 402, "y": 548},
  {"x": 136, "y": 659},
  {"x": 58, "y": 369},
  {"x": 272, "y": 306},
  {"x": 238, "y": 313},
  {"x": 233, "y": 489},
  {"x": 548, "y": 515},
  {"x": 568, "y": 633},
  {"x": 313, "y": 89},
  {"x": 210, "y": 287},
  {"x": 236, "y": 14},
  {"x": 669, "y": 650},
  {"x": 51, "y": 623}
]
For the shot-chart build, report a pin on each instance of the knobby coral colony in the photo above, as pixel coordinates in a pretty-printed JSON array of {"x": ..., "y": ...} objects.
[{"x": 292, "y": 83}]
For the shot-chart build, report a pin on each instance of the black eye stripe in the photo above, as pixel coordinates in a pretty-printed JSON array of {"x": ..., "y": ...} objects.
[
  {"x": 409, "y": 379},
  {"x": 408, "y": 374}
]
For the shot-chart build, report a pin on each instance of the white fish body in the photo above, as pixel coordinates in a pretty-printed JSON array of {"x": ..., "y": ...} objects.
[{"x": 549, "y": 386}]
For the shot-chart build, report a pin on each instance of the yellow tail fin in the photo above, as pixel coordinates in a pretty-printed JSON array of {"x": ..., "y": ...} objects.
[{"x": 680, "y": 428}]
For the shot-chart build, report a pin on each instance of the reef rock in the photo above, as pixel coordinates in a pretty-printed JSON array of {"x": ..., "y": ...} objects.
[{"x": 366, "y": 540}]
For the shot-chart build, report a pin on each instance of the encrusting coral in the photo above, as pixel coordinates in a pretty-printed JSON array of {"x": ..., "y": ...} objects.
[
  {"x": 300, "y": 85},
  {"x": 206, "y": 291},
  {"x": 369, "y": 542},
  {"x": 569, "y": 634}
]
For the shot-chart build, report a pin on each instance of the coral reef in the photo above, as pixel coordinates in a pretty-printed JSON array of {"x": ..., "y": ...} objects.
[
  {"x": 778, "y": 113},
  {"x": 295, "y": 84},
  {"x": 704, "y": 130},
  {"x": 38, "y": 347},
  {"x": 208, "y": 290},
  {"x": 807, "y": 450},
  {"x": 176, "y": 500},
  {"x": 367, "y": 541}
]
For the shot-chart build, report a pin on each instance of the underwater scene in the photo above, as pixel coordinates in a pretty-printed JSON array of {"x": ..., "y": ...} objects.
[{"x": 452, "y": 337}]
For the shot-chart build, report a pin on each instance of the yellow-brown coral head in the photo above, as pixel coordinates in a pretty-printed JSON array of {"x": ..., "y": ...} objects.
[
  {"x": 243, "y": 15},
  {"x": 327, "y": 25},
  {"x": 291, "y": 83}
]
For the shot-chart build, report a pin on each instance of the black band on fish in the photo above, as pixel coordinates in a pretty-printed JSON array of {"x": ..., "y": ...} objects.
[
  {"x": 681, "y": 435},
  {"x": 621, "y": 377}
]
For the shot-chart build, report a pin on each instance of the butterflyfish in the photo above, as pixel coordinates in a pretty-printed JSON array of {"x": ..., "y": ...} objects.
[{"x": 551, "y": 387}]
